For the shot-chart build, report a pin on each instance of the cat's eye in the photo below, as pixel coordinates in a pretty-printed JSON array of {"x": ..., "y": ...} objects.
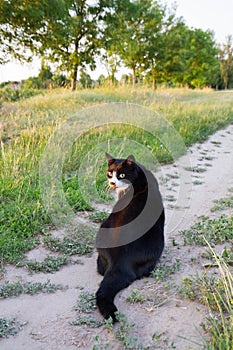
[
  {"x": 109, "y": 173},
  {"x": 122, "y": 176}
]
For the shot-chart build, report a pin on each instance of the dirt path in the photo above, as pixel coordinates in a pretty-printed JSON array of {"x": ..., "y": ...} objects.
[{"x": 175, "y": 321}]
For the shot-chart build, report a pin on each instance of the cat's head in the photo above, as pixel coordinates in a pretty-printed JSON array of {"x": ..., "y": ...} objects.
[{"x": 121, "y": 173}]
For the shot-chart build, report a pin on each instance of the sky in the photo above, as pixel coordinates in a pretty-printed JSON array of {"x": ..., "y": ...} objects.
[{"x": 215, "y": 15}]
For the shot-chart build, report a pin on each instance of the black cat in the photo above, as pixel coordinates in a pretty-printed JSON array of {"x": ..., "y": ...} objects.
[{"x": 131, "y": 240}]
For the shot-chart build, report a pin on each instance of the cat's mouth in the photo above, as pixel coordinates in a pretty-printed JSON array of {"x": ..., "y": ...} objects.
[{"x": 113, "y": 186}]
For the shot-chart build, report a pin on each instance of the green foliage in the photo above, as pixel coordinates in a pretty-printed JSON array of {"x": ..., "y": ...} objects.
[
  {"x": 162, "y": 272},
  {"x": 226, "y": 62},
  {"x": 86, "y": 302},
  {"x": 70, "y": 246},
  {"x": 201, "y": 57},
  {"x": 213, "y": 230},
  {"x": 86, "y": 320},
  {"x": 98, "y": 216},
  {"x": 85, "y": 80},
  {"x": 146, "y": 36},
  {"x": 73, "y": 195},
  {"x": 49, "y": 265},
  {"x": 216, "y": 293},
  {"x": 10, "y": 95},
  {"x": 135, "y": 297},
  {"x": 206, "y": 290},
  {"x": 223, "y": 203},
  {"x": 9, "y": 327},
  {"x": 134, "y": 31},
  {"x": 18, "y": 288},
  {"x": 24, "y": 25}
]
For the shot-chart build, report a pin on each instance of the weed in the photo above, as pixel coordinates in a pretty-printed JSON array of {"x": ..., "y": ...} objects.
[
  {"x": 216, "y": 143},
  {"x": 160, "y": 341},
  {"x": 73, "y": 193},
  {"x": 135, "y": 297},
  {"x": 86, "y": 320},
  {"x": 223, "y": 203},
  {"x": 195, "y": 169},
  {"x": 198, "y": 182},
  {"x": 86, "y": 303},
  {"x": 203, "y": 289},
  {"x": 172, "y": 176},
  {"x": 68, "y": 245},
  {"x": 98, "y": 216},
  {"x": 220, "y": 323},
  {"x": 49, "y": 265},
  {"x": 98, "y": 345},
  {"x": 18, "y": 288},
  {"x": 170, "y": 198},
  {"x": 9, "y": 327},
  {"x": 213, "y": 230},
  {"x": 122, "y": 333},
  {"x": 216, "y": 293},
  {"x": 226, "y": 256},
  {"x": 108, "y": 324},
  {"x": 163, "y": 271}
]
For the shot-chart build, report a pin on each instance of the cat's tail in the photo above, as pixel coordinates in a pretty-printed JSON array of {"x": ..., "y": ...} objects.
[{"x": 113, "y": 282}]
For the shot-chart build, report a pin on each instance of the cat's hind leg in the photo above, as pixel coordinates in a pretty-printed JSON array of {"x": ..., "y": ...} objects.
[{"x": 101, "y": 265}]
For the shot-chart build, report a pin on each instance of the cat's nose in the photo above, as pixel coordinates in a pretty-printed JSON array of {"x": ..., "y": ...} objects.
[{"x": 112, "y": 183}]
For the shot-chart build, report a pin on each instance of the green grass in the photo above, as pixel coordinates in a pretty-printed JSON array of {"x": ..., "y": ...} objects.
[
  {"x": 216, "y": 292},
  {"x": 98, "y": 216},
  {"x": 28, "y": 125}
]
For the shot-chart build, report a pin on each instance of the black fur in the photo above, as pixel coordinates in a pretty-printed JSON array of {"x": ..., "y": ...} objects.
[{"x": 122, "y": 264}]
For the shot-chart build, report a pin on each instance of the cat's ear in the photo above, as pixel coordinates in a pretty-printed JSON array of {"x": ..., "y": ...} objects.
[
  {"x": 110, "y": 159},
  {"x": 130, "y": 159}
]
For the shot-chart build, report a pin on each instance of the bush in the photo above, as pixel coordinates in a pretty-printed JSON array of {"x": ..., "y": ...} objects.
[{"x": 10, "y": 95}]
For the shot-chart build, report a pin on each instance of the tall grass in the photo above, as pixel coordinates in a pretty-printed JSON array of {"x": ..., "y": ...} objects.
[
  {"x": 220, "y": 301},
  {"x": 27, "y": 125}
]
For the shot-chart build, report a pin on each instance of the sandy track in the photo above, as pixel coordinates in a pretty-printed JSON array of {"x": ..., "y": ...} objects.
[{"x": 48, "y": 316}]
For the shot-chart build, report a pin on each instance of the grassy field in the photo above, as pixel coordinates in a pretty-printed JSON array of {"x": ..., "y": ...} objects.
[
  {"x": 25, "y": 128},
  {"x": 27, "y": 125}
]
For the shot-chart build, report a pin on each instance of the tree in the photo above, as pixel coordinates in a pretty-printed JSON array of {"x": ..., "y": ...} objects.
[
  {"x": 163, "y": 56},
  {"x": 111, "y": 63},
  {"x": 24, "y": 25},
  {"x": 45, "y": 74},
  {"x": 130, "y": 29},
  {"x": 85, "y": 79},
  {"x": 200, "y": 56},
  {"x": 81, "y": 34},
  {"x": 226, "y": 61},
  {"x": 67, "y": 32}
]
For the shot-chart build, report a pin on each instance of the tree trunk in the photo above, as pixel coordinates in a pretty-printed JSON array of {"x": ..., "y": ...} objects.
[
  {"x": 154, "y": 83},
  {"x": 74, "y": 78},
  {"x": 134, "y": 77},
  {"x": 75, "y": 66}
]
